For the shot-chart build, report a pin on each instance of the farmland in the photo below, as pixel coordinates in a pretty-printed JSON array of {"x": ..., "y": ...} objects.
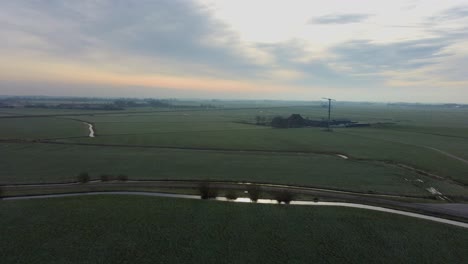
[
  {"x": 407, "y": 160},
  {"x": 411, "y": 152},
  {"x": 128, "y": 229}
]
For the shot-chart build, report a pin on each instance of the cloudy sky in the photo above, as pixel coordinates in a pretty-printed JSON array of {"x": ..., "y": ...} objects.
[{"x": 415, "y": 51}]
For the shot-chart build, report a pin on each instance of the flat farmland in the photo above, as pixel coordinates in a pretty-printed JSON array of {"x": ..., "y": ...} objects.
[
  {"x": 222, "y": 131},
  {"x": 35, "y": 163},
  {"x": 39, "y": 127},
  {"x": 219, "y": 144},
  {"x": 128, "y": 229}
]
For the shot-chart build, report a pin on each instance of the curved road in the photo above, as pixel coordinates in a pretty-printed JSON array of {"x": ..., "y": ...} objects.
[
  {"x": 260, "y": 201},
  {"x": 401, "y": 203}
]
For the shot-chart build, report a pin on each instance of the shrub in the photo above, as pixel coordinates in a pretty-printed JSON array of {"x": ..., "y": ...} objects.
[
  {"x": 206, "y": 192},
  {"x": 283, "y": 197},
  {"x": 83, "y": 177},
  {"x": 254, "y": 192},
  {"x": 231, "y": 195},
  {"x": 122, "y": 177},
  {"x": 105, "y": 177},
  {"x": 316, "y": 199}
]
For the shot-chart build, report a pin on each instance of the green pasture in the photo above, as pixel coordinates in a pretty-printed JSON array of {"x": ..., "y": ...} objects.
[
  {"x": 36, "y": 128},
  {"x": 409, "y": 141},
  {"x": 454, "y": 141},
  {"x": 126, "y": 229},
  {"x": 370, "y": 144},
  {"x": 34, "y": 163}
]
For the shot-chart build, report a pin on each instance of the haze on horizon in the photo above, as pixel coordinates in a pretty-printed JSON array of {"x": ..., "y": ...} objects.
[{"x": 409, "y": 51}]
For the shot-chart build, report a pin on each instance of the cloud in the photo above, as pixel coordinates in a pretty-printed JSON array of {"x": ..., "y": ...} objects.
[
  {"x": 453, "y": 13},
  {"x": 181, "y": 32},
  {"x": 433, "y": 63},
  {"x": 177, "y": 44},
  {"x": 313, "y": 68},
  {"x": 369, "y": 57},
  {"x": 339, "y": 19}
]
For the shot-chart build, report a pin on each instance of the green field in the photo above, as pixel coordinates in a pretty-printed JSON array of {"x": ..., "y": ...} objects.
[
  {"x": 32, "y": 128},
  {"x": 412, "y": 150},
  {"x": 215, "y": 144},
  {"x": 61, "y": 163},
  {"x": 113, "y": 229}
]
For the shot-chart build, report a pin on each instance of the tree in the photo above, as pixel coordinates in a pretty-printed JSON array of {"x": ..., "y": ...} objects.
[
  {"x": 105, "y": 177},
  {"x": 279, "y": 122},
  {"x": 122, "y": 177},
  {"x": 296, "y": 120},
  {"x": 258, "y": 119},
  {"x": 284, "y": 197},
  {"x": 206, "y": 192},
  {"x": 254, "y": 192},
  {"x": 120, "y": 103},
  {"x": 231, "y": 195},
  {"x": 83, "y": 177},
  {"x": 158, "y": 103}
]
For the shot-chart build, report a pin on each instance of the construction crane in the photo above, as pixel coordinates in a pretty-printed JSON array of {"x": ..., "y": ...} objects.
[{"x": 329, "y": 111}]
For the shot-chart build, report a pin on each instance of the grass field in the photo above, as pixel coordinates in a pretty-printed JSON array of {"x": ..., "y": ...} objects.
[
  {"x": 304, "y": 139},
  {"x": 423, "y": 148},
  {"x": 113, "y": 229},
  {"x": 420, "y": 138},
  {"x": 33, "y": 128},
  {"x": 62, "y": 163}
]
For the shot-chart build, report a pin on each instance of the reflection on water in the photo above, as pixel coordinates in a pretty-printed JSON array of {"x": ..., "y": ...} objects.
[
  {"x": 243, "y": 200},
  {"x": 246, "y": 200}
]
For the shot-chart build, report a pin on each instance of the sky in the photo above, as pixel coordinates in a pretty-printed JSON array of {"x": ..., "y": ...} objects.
[{"x": 386, "y": 51}]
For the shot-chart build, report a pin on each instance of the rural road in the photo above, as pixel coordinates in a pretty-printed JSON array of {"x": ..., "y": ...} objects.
[
  {"x": 381, "y": 200},
  {"x": 260, "y": 201}
]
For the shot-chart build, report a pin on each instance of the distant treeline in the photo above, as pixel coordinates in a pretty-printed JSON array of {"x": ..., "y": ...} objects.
[
  {"x": 76, "y": 106},
  {"x": 119, "y": 104},
  {"x": 429, "y": 105},
  {"x": 163, "y": 103},
  {"x": 4, "y": 105}
]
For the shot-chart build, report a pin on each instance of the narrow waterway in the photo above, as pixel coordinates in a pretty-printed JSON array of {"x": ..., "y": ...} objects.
[
  {"x": 247, "y": 200},
  {"x": 91, "y": 129},
  {"x": 342, "y": 156}
]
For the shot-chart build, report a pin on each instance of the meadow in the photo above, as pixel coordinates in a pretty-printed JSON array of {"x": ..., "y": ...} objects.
[
  {"x": 61, "y": 163},
  {"x": 218, "y": 144},
  {"x": 408, "y": 151},
  {"x": 116, "y": 229}
]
